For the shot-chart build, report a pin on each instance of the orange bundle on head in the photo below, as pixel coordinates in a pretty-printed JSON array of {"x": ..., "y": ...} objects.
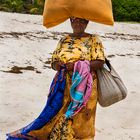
[{"x": 57, "y": 11}]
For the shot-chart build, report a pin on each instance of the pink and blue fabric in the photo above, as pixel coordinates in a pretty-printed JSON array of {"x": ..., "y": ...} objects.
[{"x": 81, "y": 88}]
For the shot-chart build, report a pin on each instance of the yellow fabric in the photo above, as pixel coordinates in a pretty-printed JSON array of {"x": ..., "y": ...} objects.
[
  {"x": 71, "y": 49},
  {"x": 57, "y": 11},
  {"x": 84, "y": 120},
  {"x": 62, "y": 130}
]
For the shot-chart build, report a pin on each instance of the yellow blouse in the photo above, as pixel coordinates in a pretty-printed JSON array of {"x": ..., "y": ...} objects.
[{"x": 71, "y": 49}]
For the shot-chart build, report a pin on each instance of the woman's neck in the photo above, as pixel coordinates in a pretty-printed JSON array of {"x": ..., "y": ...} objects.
[{"x": 79, "y": 34}]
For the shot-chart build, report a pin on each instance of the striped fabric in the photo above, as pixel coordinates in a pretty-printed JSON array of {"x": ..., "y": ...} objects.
[{"x": 81, "y": 87}]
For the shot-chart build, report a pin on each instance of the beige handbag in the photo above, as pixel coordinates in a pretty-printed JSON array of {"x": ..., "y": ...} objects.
[{"x": 111, "y": 88}]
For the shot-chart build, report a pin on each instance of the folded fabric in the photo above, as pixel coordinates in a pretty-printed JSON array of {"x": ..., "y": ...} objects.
[
  {"x": 81, "y": 87},
  {"x": 53, "y": 105},
  {"x": 57, "y": 11}
]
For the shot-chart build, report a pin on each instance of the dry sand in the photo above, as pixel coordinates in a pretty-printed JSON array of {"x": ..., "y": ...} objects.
[{"x": 25, "y": 74}]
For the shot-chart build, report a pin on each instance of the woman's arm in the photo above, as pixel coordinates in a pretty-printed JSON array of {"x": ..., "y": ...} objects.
[{"x": 94, "y": 65}]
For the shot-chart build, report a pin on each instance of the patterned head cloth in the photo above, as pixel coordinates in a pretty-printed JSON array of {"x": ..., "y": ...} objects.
[{"x": 82, "y": 20}]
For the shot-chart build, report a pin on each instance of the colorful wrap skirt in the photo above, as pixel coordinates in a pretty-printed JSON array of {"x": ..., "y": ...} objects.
[{"x": 51, "y": 123}]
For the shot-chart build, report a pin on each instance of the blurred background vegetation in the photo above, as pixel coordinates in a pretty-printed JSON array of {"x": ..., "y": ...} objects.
[
  {"x": 22, "y": 6},
  {"x": 124, "y": 10}
]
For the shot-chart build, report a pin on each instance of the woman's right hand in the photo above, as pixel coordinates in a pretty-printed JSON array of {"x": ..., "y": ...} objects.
[
  {"x": 70, "y": 66},
  {"x": 57, "y": 65}
]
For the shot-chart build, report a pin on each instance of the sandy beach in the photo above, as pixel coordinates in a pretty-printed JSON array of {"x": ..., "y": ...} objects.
[{"x": 25, "y": 74}]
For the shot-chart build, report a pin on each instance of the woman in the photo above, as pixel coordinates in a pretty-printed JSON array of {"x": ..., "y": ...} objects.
[
  {"x": 76, "y": 46},
  {"x": 81, "y": 46}
]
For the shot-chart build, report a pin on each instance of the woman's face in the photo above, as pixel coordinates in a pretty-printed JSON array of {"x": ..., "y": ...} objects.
[{"x": 78, "y": 24}]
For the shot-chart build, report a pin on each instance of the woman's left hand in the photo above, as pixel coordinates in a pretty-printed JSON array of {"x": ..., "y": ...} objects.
[{"x": 96, "y": 64}]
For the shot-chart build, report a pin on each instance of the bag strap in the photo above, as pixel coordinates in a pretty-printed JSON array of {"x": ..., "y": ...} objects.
[{"x": 108, "y": 63}]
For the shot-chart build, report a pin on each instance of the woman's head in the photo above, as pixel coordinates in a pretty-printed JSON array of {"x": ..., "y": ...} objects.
[{"x": 78, "y": 24}]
